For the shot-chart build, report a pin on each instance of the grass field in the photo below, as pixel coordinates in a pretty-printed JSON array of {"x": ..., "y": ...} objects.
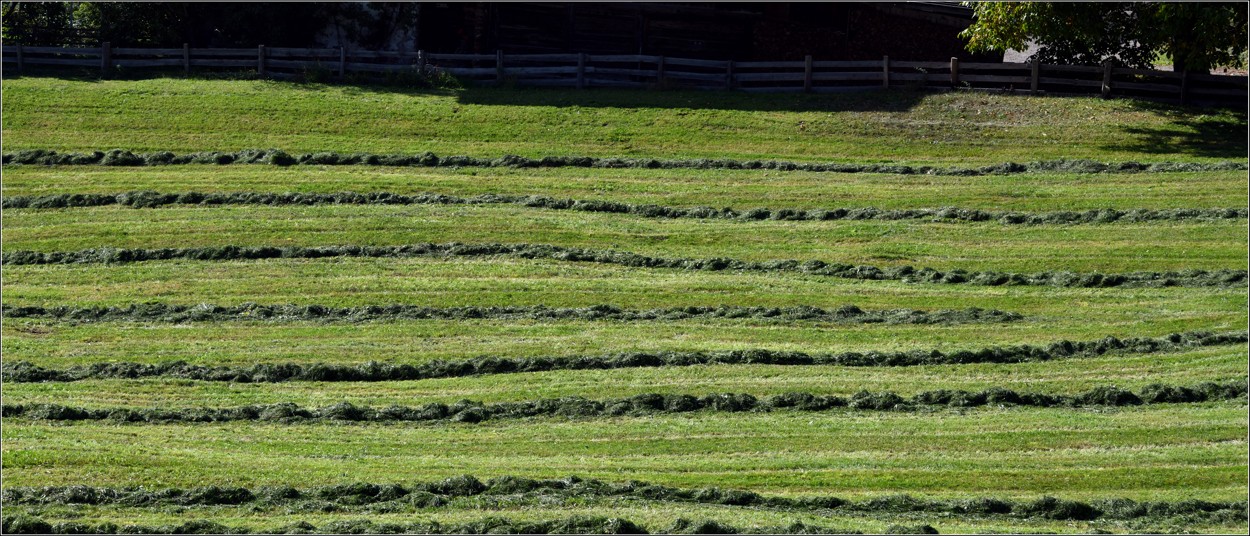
[{"x": 1099, "y": 457}]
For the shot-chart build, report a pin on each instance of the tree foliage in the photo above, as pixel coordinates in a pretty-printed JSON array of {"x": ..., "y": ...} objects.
[
  {"x": 1197, "y": 36},
  {"x": 370, "y": 25}
]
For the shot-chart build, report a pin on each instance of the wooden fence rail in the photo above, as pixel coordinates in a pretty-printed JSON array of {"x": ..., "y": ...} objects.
[{"x": 643, "y": 71}]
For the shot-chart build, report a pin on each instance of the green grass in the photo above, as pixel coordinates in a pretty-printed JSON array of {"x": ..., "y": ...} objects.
[
  {"x": 737, "y": 189},
  {"x": 652, "y": 515},
  {"x": 437, "y": 282},
  {"x": 957, "y": 127},
  {"x": 1065, "y": 377},
  {"x": 1049, "y": 313},
  {"x": 1114, "y": 248},
  {"x": 1158, "y": 452}
]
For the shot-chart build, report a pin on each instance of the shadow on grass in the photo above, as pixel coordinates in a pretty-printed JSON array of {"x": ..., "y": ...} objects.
[
  {"x": 1200, "y": 132},
  {"x": 873, "y": 100},
  {"x": 316, "y": 80},
  {"x": 870, "y": 100}
]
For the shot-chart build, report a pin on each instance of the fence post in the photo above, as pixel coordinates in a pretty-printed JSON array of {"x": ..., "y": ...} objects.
[
  {"x": 807, "y": 73},
  {"x": 342, "y": 61},
  {"x": 885, "y": 71},
  {"x": 260, "y": 60},
  {"x": 106, "y": 57},
  {"x": 186, "y": 58},
  {"x": 954, "y": 72},
  {"x": 1184, "y": 87},
  {"x": 499, "y": 67},
  {"x": 1106, "y": 79},
  {"x": 729, "y": 74},
  {"x": 581, "y": 70},
  {"x": 659, "y": 71},
  {"x": 20, "y": 61},
  {"x": 421, "y": 62},
  {"x": 1037, "y": 72}
]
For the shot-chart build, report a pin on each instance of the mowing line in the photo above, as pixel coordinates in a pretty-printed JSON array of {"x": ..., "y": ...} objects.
[
  {"x": 24, "y": 371},
  {"x": 909, "y": 274},
  {"x": 173, "y": 313},
  {"x": 120, "y": 157},
  {"x": 441, "y": 493},
  {"x": 151, "y": 199},
  {"x": 467, "y": 411}
]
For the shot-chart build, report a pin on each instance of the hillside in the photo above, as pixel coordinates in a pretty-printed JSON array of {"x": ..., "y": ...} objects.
[{"x": 333, "y": 348}]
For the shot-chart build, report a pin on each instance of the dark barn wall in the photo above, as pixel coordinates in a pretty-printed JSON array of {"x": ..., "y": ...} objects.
[{"x": 741, "y": 31}]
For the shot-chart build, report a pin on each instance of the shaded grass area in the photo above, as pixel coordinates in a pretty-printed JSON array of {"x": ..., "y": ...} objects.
[
  {"x": 1163, "y": 452},
  {"x": 736, "y": 189},
  {"x": 1117, "y": 248},
  {"x": 197, "y": 115},
  {"x": 1065, "y": 376}
]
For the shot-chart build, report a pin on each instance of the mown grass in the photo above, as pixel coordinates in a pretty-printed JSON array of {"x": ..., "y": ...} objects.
[
  {"x": 1161, "y": 452},
  {"x": 1062, "y": 377},
  {"x": 1049, "y": 313},
  {"x": 1112, "y": 248},
  {"x": 413, "y": 343},
  {"x": 957, "y": 127},
  {"x": 1156, "y": 452},
  {"x": 435, "y": 282},
  {"x": 737, "y": 189},
  {"x": 652, "y": 515}
]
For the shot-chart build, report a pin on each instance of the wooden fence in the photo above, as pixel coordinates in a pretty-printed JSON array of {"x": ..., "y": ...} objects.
[{"x": 646, "y": 71}]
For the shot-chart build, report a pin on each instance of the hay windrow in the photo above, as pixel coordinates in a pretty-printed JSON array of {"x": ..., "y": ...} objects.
[
  {"x": 909, "y": 274},
  {"x": 278, "y": 157},
  {"x": 488, "y": 525},
  {"x": 24, "y": 371},
  {"x": 443, "y": 494},
  {"x": 468, "y": 411},
  {"x": 173, "y": 313},
  {"x": 151, "y": 199}
]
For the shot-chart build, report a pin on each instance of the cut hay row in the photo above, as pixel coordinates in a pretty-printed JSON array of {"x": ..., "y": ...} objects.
[
  {"x": 468, "y": 411},
  {"x": 120, "y": 157},
  {"x": 151, "y": 199},
  {"x": 24, "y": 371},
  {"x": 489, "y": 525},
  {"x": 442, "y": 493},
  {"x": 908, "y": 274},
  {"x": 173, "y": 313}
]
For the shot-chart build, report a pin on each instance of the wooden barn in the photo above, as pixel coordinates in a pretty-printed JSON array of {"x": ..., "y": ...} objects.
[{"x": 918, "y": 31}]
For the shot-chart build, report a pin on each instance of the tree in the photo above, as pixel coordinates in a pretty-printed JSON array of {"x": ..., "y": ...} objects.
[
  {"x": 39, "y": 23},
  {"x": 372, "y": 25},
  {"x": 1197, "y": 36}
]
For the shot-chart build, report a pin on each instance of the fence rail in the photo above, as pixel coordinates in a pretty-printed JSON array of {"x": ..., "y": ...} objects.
[{"x": 616, "y": 70}]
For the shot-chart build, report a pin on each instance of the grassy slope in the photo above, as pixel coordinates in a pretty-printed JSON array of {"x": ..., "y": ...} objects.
[
  {"x": 1068, "y": 376},
  {"x": 653, "y": 516},
  {"x": 1115, "y": 248},
  {"x": 1150, "y": 452},
  {"x": 1158, "y": 453},
  {"x": 738, "y": 189},
  {"x": 963, "y": 128},
  {"x": 1050, "y": 314}
]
